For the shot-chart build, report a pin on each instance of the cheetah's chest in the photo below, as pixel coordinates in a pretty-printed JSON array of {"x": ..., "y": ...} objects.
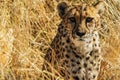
[{"x": 86, "y": 44}]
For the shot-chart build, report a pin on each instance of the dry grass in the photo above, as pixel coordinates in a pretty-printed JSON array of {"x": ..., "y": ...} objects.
[{"x": 27, "y": 28}]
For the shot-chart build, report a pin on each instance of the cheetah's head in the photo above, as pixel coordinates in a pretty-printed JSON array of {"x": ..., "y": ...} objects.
[{"x": 80, "y": 19}]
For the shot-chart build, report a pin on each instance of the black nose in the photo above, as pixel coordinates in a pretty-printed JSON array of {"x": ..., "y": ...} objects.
[{"x": 80, "y": 34}]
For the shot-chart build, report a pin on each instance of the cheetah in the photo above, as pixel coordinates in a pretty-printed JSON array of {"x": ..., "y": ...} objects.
[{"x": 75, "y": 51}]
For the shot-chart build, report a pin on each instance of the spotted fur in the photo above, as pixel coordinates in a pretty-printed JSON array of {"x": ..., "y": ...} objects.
[{"x": 75, "y": 51}]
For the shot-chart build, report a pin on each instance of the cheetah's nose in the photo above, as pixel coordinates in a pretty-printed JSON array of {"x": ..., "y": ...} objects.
[{"x": 80, "y": 33}]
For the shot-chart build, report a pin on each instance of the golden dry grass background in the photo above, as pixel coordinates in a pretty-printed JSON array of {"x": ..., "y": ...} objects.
[{"x": 28, "y": 26}]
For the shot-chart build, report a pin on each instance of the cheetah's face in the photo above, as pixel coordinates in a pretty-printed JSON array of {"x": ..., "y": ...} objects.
[{"x": 80, "y": 19}]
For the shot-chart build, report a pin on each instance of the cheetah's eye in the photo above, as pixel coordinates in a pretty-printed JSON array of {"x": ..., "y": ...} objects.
[
  {"x": 89, "y": 19},
  {"x": 72, "y": 19}
]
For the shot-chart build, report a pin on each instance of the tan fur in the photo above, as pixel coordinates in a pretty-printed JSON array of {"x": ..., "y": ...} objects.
[{"x": 75, "y": 51}]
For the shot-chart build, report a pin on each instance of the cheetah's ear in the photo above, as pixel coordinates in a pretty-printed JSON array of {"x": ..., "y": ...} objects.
[
  {"x": 100, "y": 7},
  {"x": 62, "y": 9}
]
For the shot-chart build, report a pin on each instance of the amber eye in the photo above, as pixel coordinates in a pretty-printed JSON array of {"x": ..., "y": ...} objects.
[
  {"x": 72, "y": 19},
  {"x": 89, "y": 19}
]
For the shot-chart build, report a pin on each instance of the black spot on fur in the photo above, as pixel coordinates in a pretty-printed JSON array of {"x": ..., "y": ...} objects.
[
  {"x": 96, "y": 56},
  {"x": 97, "y": 69},
  {"x": 71, "y": 47},
  {"x": 89, "y": 69},
  {"x": 68, "y": 51},
  {"x": 96, "y": 35},
  {"x": 62, "y": 72},
  {"x": 94, "y": 76},
  {"x": 58, "y": 56},
  {"x": 68, "y": 72},
  {"x": 76, "y": 78},
  {"x": 66, "y": 61},
  {"x": 67, "y": 56},
  {"x": 62, "y": 26},
  {"x": 66, "y": 46},
  {"x": 91, "y": 62},
  {"x": 63, "y": 50},
  {"x": 78, "y": 62},
  {"x": 85, "y": 9},
  {"x": 96, "y": 51},
  {"x": 93, "y": 39},
  {"x": 72, "y": 65},
  {"x": 68, "y": 40},
  {"x": 63, "y": 43},
  {"x": 60, "y": 43},
  {"x": 72, "y": 60},
  {"x": 95, "y": 45},
  {"x": 76, "y": 55},
  {"x": 87, "y": 58},
  {"x": 85, "y": 65},
  {"x": 57, "y": 46},
  {"x": 91, "y": 53},
  {"x": 79, "y": 68},
  {"x": 64, "y": 35},
  {"x": 83, "y": 78},
  {"x": 57, "y": 51},
  {"x": 74, "y": 72}
]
